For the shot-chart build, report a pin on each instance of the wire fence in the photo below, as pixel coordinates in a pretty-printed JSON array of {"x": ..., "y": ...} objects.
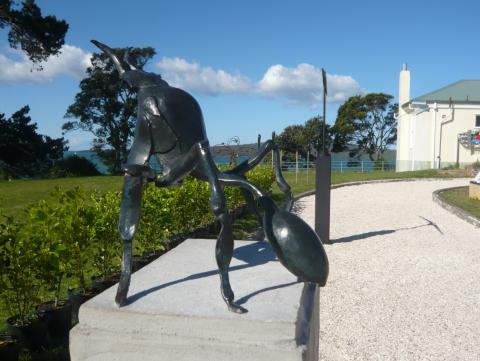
[{"x": 342, "y": 166}]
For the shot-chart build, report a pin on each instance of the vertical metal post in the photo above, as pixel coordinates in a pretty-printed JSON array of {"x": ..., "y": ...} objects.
[
  {"x": 308, "y": 162},
  {"x": 361, "y": 162},
  {"x": 323, "y": 179},
  {"x": 296, "y": 167}
]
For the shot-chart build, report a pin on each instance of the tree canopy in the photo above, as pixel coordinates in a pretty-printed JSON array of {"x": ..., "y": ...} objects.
[
  {"x": 24, "y": 152},
  {"x": 39, "y": 36},
  {"x": 304, "y": 138},
  {"x": 367, "y": 122},
  {"x": 105, "y": 106}
]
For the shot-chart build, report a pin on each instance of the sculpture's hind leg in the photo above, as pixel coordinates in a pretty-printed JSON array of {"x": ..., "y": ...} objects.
[
  {"x": 129, "y": 218},
  {"x": 224, "y": 245}
]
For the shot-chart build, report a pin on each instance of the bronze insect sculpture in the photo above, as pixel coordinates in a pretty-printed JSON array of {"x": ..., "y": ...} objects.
[{"x": 170, "y": 127}]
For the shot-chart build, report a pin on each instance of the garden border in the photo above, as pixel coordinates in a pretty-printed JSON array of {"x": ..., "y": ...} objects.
[{"x": 454, "y": 209}]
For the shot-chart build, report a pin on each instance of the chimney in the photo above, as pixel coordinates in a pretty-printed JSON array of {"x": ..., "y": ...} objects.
[{"x": 404, "y": 87}]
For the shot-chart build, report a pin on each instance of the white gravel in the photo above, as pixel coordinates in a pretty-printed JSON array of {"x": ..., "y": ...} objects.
[{"x": 404, "y": 275}]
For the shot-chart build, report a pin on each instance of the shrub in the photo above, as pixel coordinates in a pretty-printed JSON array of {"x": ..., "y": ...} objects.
[
  {"x": 105, "y": 245},
  {"x": 73, "y": 166},
  {"x": 45, "y": 227},
  {"x": 19, "y": 271},
  {"x": 77, "y": 231}
]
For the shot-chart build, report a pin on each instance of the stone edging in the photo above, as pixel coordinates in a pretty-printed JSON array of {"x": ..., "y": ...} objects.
[
  {"x": 454, "y": 209},
  {"x": 357, "y": 183}
]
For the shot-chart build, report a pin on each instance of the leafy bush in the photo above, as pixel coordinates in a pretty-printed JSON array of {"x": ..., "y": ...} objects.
[
  {"x": 44, "y": 226},
  {"x": 73, "y": 166},
  {"x": 105, "y": 246},
  {"x": 77, "y": 231},
  {"x": 379, "y": 164},
  {"x": 19, "y": 271},
  {"x": 72, "y": 236}
]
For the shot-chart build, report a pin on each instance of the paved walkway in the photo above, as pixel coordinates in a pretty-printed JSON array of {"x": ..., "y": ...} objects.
[{"x": 404, "y": 276}]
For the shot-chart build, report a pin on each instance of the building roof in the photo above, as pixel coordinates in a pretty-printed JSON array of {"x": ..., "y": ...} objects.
[{"x": 461, "y": 91}]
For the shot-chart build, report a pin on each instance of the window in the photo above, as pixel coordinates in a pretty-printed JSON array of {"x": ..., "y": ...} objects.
[{"x": 477, "y": 121}]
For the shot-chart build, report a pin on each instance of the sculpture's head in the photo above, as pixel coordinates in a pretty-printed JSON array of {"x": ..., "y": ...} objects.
[{"x": 134, "y": 77}]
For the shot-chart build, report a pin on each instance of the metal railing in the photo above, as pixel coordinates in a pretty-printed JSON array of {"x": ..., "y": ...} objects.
[{"x": 342, "y": 166}]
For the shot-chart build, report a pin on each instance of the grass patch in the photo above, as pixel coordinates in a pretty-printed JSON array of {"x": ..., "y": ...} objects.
[
  {"x": 304, "y": 181},
  {"x": 17, "y": 194},
  {"x": 459, "y": 197}
]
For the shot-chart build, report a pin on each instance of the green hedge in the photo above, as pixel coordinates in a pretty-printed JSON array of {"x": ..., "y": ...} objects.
[{"x": 70, "y": 237}]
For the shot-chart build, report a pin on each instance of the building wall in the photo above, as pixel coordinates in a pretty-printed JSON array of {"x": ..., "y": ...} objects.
[
  {"x": 423, "y": 137},
  {"x": 463, "y": 120}
]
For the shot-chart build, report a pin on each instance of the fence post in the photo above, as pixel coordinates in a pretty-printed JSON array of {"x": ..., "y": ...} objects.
[
  {"x": 383, "y": 165},
  {"x": 308, "y": 158},
  {"x": 341, "y": 166},
  {"x": 296, "y": 167},
  {"x": 361, "y": 162}
]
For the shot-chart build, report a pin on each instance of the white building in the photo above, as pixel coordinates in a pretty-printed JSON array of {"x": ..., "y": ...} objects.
[{"x": 429, "y": 125}]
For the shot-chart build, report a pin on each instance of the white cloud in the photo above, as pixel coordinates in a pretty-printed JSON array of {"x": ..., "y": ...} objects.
[
  {"x": 304, "y": 84},
  {"x": 300, "y": 85},
  {"x": 71, "y": 61},
  {"x": 205, "y": 80}
]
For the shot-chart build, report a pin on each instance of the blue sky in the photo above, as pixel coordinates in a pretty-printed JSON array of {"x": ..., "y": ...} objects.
[{"x": 254, "y": 66}]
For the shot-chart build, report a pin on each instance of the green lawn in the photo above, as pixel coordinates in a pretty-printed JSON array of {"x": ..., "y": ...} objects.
[
  {"x": 17, "y": 194},
  {"x": 305, "y": 182},
  {"x": 459, "y": 197}
]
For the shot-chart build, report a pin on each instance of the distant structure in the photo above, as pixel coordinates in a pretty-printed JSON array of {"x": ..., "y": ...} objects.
[{"x": 429, "y": 125}]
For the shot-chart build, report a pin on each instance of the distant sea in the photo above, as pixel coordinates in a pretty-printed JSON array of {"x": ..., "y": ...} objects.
[
  {"x": 389, "y": 156},
  {"x": 102, "y": 168}
]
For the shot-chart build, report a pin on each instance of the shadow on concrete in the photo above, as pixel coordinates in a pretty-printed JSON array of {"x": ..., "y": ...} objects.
[
  {"x": 253, "y": 254},
  {"x": 365, "y": 235},
  {"x": 245, "y": 298}
]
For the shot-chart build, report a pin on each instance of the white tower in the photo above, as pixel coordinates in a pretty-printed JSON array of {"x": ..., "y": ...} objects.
[{"x": 403, "y": 121}]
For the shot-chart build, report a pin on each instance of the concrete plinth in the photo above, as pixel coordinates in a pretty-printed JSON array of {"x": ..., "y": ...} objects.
[
  {"x": 474, "y": 190},
  {"x": 175, "y": 311}
]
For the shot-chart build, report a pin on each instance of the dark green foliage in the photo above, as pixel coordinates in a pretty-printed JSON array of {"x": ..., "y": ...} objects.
[
  {"x": 368, "y": 122},
  {"x": 105, "y": 106},
  {"x": 39, "y": 36},
  {"x": 304, "y": 138},
  {"x": 24, "y": 152},
  {"x": 105, "y": 247},
  {"x": 74, "y": 166},
  {"x": 19, "y": 271},
  {"x": 44, "y": 226},
  {"x": 379, "y": 164}
]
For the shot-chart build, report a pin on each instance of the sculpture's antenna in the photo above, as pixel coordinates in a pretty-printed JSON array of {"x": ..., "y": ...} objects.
[
  {"x": 112, "y": 56},
  {"x": 126, "y": 59}
]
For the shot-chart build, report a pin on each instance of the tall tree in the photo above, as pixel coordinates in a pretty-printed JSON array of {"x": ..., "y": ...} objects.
[
  {"x": 368, "y": 122},
  {"x": 105, "y": 106},
  {"x": 304, "y": 138},
  {"x": 39, "y": 36},
  {"x": 24, "y": 152}
]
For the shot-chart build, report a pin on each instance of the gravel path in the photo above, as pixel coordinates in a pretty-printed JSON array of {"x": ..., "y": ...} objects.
[{"x": 404, "y": 276}]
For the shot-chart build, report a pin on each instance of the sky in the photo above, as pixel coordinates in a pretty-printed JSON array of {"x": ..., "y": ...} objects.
[{"x": 253, "y": 66}]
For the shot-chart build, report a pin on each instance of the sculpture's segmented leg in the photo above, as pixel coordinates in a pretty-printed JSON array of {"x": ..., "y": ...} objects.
[
  {"x": 224, "y": 245},
  {"x": 128, "y": 223},
  {"x": 266, "y": 148}
]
